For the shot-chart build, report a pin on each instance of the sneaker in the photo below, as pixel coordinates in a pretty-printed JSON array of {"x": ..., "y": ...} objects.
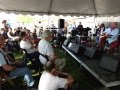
[
  {"x": 34, "y": 87},
  {"x": 31, "y": 84}
]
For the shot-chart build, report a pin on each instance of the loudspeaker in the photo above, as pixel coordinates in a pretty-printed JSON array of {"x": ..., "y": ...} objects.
[
  {"x": 61, "y": 23},
  {"x": 78, "y": 49},
  {"x": 110, "y": 64},
  {"x": 78, "y": 39},
  {"x": 66, "y": 42},
  {"x": 81, "y": 39},
  {"x": 92, "y": 52}
]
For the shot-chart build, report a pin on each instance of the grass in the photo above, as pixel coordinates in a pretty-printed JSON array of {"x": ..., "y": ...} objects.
[{"x": 83, "y": 79}]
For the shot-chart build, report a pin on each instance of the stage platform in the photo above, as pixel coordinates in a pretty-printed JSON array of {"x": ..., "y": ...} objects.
[{"x": 107, "y": 78}]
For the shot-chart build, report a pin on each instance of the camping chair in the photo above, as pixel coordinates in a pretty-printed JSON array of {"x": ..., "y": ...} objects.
[
  {"x": 27, "y": 58},
  {"x": 5, "y": 78},
  {"x": 114, "y": 47}
]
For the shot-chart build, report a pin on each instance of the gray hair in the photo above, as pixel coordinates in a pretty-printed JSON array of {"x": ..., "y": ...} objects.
[
  {"x": 46, "y": 33},
  {"x": 50, "y": 65}
]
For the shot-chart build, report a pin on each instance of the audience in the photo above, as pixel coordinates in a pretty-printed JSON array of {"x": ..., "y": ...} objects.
[
  {"x": 51, "y": 79},
  {"x": 14, "y": 71},
  {"x": 41, "y": 51}
]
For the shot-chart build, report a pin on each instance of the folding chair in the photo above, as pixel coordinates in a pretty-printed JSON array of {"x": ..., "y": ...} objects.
[
  {"x": 27, "y": 58},
  {"x": 5, "y": 78}
]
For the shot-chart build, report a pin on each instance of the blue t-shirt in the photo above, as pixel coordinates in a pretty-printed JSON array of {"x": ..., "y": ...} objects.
[{"x": 2, "y": 60}]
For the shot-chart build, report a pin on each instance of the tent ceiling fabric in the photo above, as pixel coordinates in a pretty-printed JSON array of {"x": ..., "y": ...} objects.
[
  {"x": 73, "y": 6},
  {"x": 108, "y": 6},
  {"x": 69, "y": 7}
]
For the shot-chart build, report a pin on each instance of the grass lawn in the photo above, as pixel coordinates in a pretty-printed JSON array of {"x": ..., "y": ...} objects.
[{"x": 83, "y": 79}]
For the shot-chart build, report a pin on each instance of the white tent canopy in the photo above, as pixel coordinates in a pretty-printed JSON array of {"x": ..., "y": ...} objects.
[{"x": 67, "y": 7}]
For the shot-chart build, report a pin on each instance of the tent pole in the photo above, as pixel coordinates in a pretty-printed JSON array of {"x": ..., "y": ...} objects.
[
  {"x": 95, "y": 7},
  {"x": 51, "y": 2}
]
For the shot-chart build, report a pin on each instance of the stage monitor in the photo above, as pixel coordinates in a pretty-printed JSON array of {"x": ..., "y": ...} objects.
[
  {"x": 81, "y": 39},
  {"x": 77, "y": 39},
  {"x": 66, "y": 42},
  {"x": 78, "y": 49},
  {"x": 109, "y": 63},
  {"x": 73, "y": 46}
]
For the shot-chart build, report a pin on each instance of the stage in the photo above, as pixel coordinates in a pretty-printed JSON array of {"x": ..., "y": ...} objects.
[{"x": 107, "y": 78}]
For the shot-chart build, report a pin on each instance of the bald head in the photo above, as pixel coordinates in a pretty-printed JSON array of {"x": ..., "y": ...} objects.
[{"x": 113, "y": 25}]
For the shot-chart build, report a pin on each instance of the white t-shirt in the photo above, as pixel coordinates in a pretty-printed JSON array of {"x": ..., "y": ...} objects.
[
  {"x": 50, "y": 82},
  {"x": 27, "y": 46},
  {"x": 45, "y": 48}
]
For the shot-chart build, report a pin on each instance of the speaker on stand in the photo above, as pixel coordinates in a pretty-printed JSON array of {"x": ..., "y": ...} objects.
[{"x": 61, "y": 23}]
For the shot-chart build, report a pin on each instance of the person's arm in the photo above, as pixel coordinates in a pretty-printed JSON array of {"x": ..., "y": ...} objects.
[
  {"x": 104, "y": 33},
  {"x": 9, "y": 35},
  {"x": 53, "y": 57},
  {"x": 7, "y": 67},
  {"x": 66, "y": 81},
  {"x": 70, "y": 80},
  {"x": 31, "y": 40},
  {"x": 50, "y": 52}
]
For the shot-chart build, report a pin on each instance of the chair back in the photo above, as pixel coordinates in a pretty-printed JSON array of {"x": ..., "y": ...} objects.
[
  {"x": 25, "y": 55},
  {"x": 4, "y": 77}
]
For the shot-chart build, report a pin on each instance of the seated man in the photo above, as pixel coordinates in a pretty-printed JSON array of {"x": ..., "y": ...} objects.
[
  {"x": 11, "y": 36},
  {"x": 45, "y": 48},
  {"x": 13, "y": 70},
  {"x": 26, "y": 43},
  {"x": 51, "y": 79},
  {"x": 110, "y": 35}
]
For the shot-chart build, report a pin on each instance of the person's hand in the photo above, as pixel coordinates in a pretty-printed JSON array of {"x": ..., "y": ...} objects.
[{"x": 102, "y": 36}]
